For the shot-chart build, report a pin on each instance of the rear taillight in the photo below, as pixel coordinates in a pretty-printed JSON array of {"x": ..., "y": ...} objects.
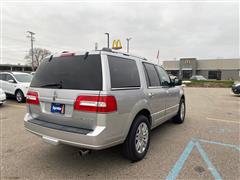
[
  {"x": 32, "y": 97},
  {"x": 96, "y": 103}
]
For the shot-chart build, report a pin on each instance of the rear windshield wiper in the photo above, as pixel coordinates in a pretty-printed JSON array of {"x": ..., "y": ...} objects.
[{"x": 58, "y": 85}]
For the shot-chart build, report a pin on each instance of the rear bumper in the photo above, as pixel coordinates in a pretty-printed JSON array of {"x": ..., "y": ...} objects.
[{"x": 96, "y": 139}]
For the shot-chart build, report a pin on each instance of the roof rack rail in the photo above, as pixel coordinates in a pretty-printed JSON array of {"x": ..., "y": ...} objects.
[
  {"x": 107, "y": 49},
  {"x": 126, "y": 54}
]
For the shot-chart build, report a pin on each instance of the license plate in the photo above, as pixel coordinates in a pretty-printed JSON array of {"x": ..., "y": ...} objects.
[{"x": 58, "y": 108}]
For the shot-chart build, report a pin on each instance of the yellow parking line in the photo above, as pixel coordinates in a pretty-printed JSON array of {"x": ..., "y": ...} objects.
[
  {"x": 223, "y": 120},
  {"x": 17, "y": 106}
]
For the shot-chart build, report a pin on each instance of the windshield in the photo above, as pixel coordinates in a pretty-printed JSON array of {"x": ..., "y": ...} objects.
[
  {"x": 70, "y": 72},
  {"x": 23, "y": 77}
]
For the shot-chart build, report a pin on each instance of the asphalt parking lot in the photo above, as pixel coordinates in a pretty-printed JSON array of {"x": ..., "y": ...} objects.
[{"x": 206, "y": 146}]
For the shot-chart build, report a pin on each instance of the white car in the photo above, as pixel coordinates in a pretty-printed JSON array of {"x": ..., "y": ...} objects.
[
  {"x": 198, "y": 78},
  {"x": 2, "y": 97},
  {"x": 16, "y": 84}
]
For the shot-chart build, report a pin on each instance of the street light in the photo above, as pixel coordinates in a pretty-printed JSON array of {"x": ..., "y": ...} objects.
[
  {"x": 128, "y": 39},
  {"x": 107, "y": 39},
  {"x": 31, "y": 36}
]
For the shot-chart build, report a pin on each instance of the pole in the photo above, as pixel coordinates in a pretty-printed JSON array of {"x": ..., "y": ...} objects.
[
  {"x": 107, "y": 39},
  {"x": 31, "y": 39},
  {"x": 96, "y": 46},
  {"x": 128, "y": 39}
]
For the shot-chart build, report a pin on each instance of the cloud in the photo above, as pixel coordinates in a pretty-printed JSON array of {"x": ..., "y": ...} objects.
[{"x": 201, "y": 30}]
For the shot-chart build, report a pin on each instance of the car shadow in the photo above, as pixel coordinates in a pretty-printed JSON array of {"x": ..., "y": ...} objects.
[{"x": 235, "y": 95}]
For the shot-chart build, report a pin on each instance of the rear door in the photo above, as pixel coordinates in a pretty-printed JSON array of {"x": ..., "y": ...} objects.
[
  {"x": 59, "y": 81},
  {"x": 155, "y": 93}
]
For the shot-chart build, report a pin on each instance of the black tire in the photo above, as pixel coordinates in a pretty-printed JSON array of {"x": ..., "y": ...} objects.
[
  {"x": 129, "y": 147},
  {"x": 179, "y": 119},
  {"x": 19, "y": 96}
]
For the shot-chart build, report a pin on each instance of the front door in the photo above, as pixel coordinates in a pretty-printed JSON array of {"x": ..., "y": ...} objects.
[
  {"x": 10, "y": 86},
  {"x": 172, "y": 93}
]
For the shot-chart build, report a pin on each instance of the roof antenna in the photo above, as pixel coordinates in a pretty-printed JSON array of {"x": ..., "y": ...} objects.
[{"x": 86, "y": 55}]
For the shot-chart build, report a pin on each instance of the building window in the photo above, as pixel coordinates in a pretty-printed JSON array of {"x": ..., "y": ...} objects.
[
  {"x": 27, "y": 68},
  {"x": 5, "y": 68},
  {"x": 187, "y": 74},
  {"x": 214, "y": 75},
  {"x": 173, "y": 72},
  {"x": 16, "y": 68}
]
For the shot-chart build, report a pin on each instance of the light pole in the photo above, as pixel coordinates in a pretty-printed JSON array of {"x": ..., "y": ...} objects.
[
  {"x": 32, "y": 39},
  {"x": 128, "y": 39},
  {"x": 96, "y": 46},
  {"x": 107, "y": 39}
]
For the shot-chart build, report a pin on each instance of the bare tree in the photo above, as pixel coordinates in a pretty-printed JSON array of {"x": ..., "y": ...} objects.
[{"x": 38, "y": 55}]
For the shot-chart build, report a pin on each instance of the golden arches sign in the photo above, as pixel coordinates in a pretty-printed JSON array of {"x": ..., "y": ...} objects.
[{"x": 116, "y": 44}]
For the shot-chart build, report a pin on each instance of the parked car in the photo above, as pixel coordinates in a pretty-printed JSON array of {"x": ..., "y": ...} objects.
[
  {"x": 236, "y": 88},
  {"x": 2, "y": 97},
  {"x": 198, "y": 78},
  {"x": 16, "y": 84},
  {"x": 99, "y": 99},
  {"x": 172, "y": 76}
]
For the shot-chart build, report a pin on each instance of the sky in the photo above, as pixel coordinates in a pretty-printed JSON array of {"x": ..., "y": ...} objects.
[{"x": 199, "y": 29}]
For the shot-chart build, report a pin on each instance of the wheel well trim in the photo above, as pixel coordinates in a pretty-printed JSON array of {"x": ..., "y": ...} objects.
[
  {"x": 133, "y": 117},
  {"x": 18, "y": 89}
]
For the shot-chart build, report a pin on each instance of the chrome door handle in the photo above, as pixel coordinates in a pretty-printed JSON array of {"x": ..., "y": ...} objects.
[{"x": 150, "y": 95}]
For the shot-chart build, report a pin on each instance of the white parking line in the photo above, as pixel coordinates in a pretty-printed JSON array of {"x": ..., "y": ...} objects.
[{"x": 222, "y": 120}]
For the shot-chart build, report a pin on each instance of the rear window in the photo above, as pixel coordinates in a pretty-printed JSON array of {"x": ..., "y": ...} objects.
[
  {"x": 123, "y": 72},
  {"x": 70, "y": 72}
]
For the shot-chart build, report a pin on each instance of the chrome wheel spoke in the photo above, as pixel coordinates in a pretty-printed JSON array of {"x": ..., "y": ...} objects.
[
  {"x": 141, "y": 138},
  {"x": 142, "y": 148},
  {"x": 182, "y": 111},
  {"x": 138, "y": 146},
  {"x": 137, "y": 137}
]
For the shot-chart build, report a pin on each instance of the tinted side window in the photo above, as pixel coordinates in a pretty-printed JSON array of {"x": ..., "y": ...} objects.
[
  {"x": 3, "y": 77},
  {"x": 9, "y": 77},
  {"x": 152, "y": 76},
  {"x": 123, "y": 72},
  {"x": 165, "y": 80}
]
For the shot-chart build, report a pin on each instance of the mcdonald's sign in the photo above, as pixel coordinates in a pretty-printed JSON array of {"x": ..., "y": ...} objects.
[{"x": 116, "y": 44}]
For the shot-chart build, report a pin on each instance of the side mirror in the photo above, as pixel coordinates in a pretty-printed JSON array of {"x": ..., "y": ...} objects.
[
  {"x": 177, "y": 82},
  {"x": 11, "y": 81}
]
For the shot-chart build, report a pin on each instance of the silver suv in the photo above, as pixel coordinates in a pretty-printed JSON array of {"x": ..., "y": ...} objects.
[{"x": 95, "y": 100}]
